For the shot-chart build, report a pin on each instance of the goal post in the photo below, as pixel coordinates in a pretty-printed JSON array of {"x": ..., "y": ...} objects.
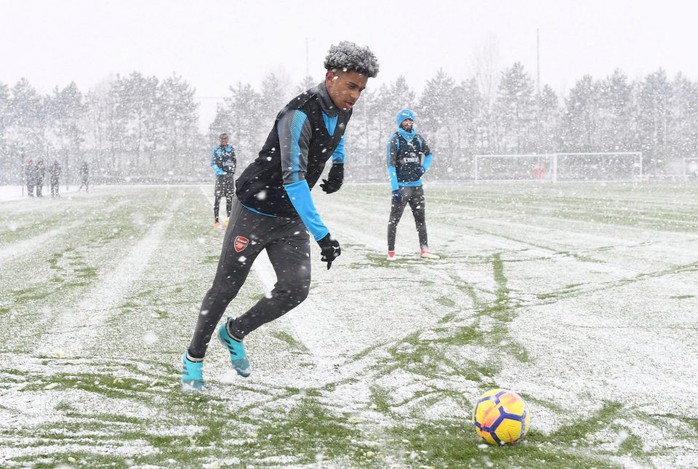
[
  {"x": 690, "y": 167},
  {"x": 559, "y": 167}
]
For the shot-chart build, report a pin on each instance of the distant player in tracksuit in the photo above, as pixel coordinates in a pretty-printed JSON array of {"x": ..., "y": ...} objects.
[
  {"x": 274, "y": 210},
  {"x": 223, "y": 162},
  {"x": 409, "y": 157}
]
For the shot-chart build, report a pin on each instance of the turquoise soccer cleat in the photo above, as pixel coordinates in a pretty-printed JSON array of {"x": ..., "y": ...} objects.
[
  {"x": 238, "y": 357},
  {"x": 192, "y": 374}
]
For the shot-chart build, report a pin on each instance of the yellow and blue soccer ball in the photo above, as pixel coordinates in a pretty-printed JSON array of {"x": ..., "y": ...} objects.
[{"x": 500, "y": 417}]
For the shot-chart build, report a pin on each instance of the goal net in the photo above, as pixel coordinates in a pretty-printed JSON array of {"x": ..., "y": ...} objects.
[
  {"x": 559, "y": 167},
  {"x": 512, "y": 167},
  {"x": 598, "y": 166},
  {"x": 690, "y": 168}
]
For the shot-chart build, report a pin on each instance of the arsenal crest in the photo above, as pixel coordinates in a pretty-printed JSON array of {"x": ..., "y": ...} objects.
[{"x": 240, "y": 243}]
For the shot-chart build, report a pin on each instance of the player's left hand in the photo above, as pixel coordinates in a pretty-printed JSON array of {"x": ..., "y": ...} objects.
[
  {"x": 334, "y": 179},
  {"x": 330, "y": 250}
]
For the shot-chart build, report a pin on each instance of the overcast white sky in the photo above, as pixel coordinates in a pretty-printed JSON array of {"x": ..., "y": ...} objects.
[{"x": 216, "y": 43}]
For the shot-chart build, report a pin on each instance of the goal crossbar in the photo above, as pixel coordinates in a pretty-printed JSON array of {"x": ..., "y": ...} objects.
[{"x": 555, "y": 167}]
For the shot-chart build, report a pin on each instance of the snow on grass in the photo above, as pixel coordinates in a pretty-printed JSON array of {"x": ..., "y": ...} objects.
[{"x": 580, "y": 298}]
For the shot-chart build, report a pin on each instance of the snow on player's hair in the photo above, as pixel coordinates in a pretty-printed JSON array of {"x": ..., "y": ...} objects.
[{"x": 348, "y": 56}]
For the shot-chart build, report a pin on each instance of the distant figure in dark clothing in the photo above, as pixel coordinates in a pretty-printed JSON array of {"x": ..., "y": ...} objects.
[
  {"x": 30, "y": 176},
  {"x": 84, "y": 177},
  {"x": 223, "y": 162},
  {"x": 40, "y": 174},
  {"x": 409, "y": 157},
  {"x": 54, "y": 173}
]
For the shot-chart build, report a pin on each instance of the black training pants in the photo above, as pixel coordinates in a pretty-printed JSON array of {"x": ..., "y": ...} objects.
[
  {"x": 415, "y": 197},
  {"x": 288, "y": 246},
  {"x": 225, "y": 187}
]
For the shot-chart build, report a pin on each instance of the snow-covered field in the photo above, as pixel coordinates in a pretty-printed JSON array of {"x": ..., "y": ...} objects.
[{"x": 581, "y": 298}]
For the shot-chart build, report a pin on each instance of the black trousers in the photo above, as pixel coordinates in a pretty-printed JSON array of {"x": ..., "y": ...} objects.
[
  {"x": 54, "y": 187},
  {"x": 288, "y": 246},
  {"x": 415, "y": 197},
  {"x": 225, "y": 187}
]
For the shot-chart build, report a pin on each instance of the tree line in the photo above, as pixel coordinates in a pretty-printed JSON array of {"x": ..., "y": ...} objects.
[
  {"x": 128, "y": 129},
  {"x": 139, "y": 128}
]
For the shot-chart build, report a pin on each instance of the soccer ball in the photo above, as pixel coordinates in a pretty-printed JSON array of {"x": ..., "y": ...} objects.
[{"x": 500, "y": 417}]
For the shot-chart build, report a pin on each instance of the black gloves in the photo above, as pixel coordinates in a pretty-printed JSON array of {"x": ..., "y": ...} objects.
[
  {"x": 334, "y": 179},
  {"x": 397, "y": 196},
  {"x": 330, "y": 249}
]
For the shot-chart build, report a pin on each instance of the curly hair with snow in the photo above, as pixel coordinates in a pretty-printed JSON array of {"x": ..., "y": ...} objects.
[{"x": 348, "y": 56}]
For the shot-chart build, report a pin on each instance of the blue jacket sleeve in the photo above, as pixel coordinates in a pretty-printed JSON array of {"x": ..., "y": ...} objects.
[
  {"x": 294, "y": 133},
  {"x": 214, "y": 166},
  {"x": 299, "y": 194},
  {"x": 338, "y": 155},
  {"x": 427, "y": 161},
  {"x": 392, "y": 157}
]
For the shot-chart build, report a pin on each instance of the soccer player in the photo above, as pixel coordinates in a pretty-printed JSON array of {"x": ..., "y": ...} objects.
[
  {"x": 223, "y": 163},
  {"x": 274, "y": 210},
  {"x": 54, "y": 176},
  {"x": 84, "y": 177},
  {"x": 409, "y": 157}
]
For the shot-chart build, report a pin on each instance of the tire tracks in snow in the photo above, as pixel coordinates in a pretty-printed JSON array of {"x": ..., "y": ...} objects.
[
  {"x": 38, "y": 243},
  {"x": 74, "y": 328},
  {"x": 35, "y": 243}
]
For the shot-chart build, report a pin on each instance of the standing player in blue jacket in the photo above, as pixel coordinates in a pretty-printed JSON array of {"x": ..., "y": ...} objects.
[
  {"x": 274, "y": 210},
  {"x": 223, "y": 162},
  {"x": 409, "y": 157}
]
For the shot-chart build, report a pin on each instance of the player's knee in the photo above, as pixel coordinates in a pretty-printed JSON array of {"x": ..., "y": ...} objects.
[{"x": 292, "y": 293}]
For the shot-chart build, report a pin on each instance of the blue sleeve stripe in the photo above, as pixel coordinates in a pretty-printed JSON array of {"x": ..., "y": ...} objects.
[
  {"x": 214, "y": 166},
  {"x": 338, "y": 155},
  {"x": 299, "y": 194},
  {"x": 331, "y": 125},
  {"x": 297, "y": 122},
  {"x": 427, "y": 161},
  {"x": 392, "y": 172},
  {"x": 330, "y": 122}
]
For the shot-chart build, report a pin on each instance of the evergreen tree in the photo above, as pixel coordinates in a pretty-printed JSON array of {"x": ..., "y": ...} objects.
[
  {"x": 26, "y": 121},
  {"x": 222, "y": 122},
  {"x": 389, "y": 100},
  {"x": 364, "y": 152},
  {"x": 437, "y": 114},
  {"x": 468, "y": 103},
  {"x": 306, "y": 83},
  {"x": 653, "y": 119},
  {"x": 6, "y": 162},
  {"x": 273, "y": 98},
  {"x": 179, "y": 118},
  {"x": 139, "y": 99},
  {"x": 516, "y": 110},
  {"x": 615, "y": 114},
  {"x": 683, "y": 118},
  {"x": 548, "y": 138},
  {"x": 247, "y": 133},
  {"x": 65, "y": 112},
  {"x": 98, "y": 114},
  {"x": 580, "y": 120}
]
